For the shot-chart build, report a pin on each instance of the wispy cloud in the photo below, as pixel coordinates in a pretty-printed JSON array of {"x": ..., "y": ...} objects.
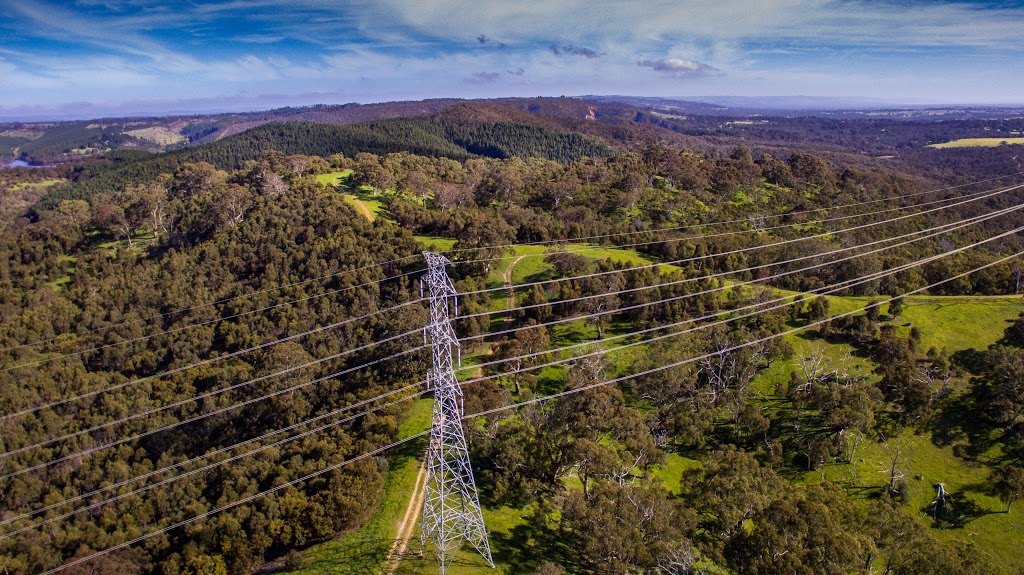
[
  {"x": 678, "y": 68},
  {"x": 259, "y": 39},
  {"x": 571, "y": 50},
  {"x": 483, "y": 77}
]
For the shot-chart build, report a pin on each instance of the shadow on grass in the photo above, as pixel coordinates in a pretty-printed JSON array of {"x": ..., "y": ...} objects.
[
  {"x": 971, "y": 360},
  {"x": 526, "y": 546},
  {"x": 356, "y": 555},
  {"x": 958, "y": 424},
  {"x": 956, "y": 512}
]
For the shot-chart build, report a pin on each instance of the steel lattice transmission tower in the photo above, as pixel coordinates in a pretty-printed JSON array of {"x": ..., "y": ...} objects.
[{"x": 451, "y": 508}]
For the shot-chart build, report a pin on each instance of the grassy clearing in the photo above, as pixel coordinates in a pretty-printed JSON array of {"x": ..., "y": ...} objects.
[
  {"x": 334, "y": 178},
  {"x": 158, "y": 135},
  {"x": 957, "y": 323},
  {"x": 36, "y": 185},
  {"x": 978, "y": 143},
  {"x": 954, "y": 323},
  {"x": 364, "y": 200},
  {"x": 925, "y": 465},
  {"x": 373, "y": 204},
  {"x": 363, "y": 207},
  {"x": 533, "y": 268},
  {"x": 436, "y": 243}
]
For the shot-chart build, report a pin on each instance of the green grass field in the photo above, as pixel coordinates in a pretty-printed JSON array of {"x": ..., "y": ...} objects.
[
  {"x": 531, "y": 267},
  {"x": 953, "y": 323},
  {"x": 334, "y": 178},
  {"x": 978, "y": 143},
  {"x": 438, "y": 243},
  {"x": 36, "y": 185}
]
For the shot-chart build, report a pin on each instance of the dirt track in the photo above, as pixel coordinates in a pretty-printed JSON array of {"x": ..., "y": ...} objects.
[{"x": 408, "y": 524}]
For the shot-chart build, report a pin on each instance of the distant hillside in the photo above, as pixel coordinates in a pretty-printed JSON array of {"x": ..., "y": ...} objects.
[{"x": 438, "y": 137}]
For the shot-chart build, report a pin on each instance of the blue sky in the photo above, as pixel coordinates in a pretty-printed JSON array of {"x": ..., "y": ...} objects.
[{"x": 99, "y": 57}]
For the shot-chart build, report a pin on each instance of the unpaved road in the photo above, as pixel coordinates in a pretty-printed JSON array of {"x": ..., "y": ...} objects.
[
  {"x": 408, "y": 524},
  {"x": 510, "y": 299},
  {"x": 362, "y": 208}
]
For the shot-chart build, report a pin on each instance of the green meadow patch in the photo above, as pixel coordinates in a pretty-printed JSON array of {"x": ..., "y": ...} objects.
[
  {"x": 978, "y": 143},
  {"x": 334, "y": 178}
]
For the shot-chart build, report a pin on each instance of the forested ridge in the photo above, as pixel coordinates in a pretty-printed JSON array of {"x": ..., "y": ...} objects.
[
  {"x": 426, "y": 138},
  {"x": 243, "y": 237}
]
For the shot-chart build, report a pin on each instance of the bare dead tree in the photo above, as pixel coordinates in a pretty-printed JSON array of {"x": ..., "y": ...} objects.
[
  {"x": 894, "y": 453},
  {"x": 811, "y": 365},
  {"x": 943, "y": 503},
  {"x": 681, "y": 559},
  {"x": 936, "y": 379},
  {"x": 758, "y": 221}
]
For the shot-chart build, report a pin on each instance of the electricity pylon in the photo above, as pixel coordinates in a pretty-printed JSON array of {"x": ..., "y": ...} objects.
[{"x": 451, "y": 508}]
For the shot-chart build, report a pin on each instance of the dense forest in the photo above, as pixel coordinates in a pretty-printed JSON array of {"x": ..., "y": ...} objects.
[{"x": 230, "y": 273}]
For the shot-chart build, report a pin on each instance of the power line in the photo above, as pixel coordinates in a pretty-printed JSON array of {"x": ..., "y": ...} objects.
[
  {"x": 987, "y": 194},
  {"x": 545, "y": 282},
  {"x": 950, "y": 226},
  {"x": 825, "y": 290},
  {"x": 740, "y": 346},
  {"x": 957, "y": 225},
  {"x": 207, "y": 395},
  {"x": 736, "y": 232},
  {"x": 842, "y": 285},
  {"x": 741, "y": 250},
  {"x": 236, "y": 457},
  {"x": 906, "y": 266},
  {"x": 242, "y": 501},
  {"x": 218, "y": 411},
  {"x": 737, "y": 221},
  {"x": 203, "y": 362},
  {"x": 831, "y": 289},
  {"x": 186, "y": 327},
  {"x": 230, "y": 299}
]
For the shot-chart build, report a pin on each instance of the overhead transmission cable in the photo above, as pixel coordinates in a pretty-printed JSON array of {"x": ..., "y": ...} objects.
[
  {"x": 193, "y": 325},
  {"x": 955, "y": 226},
  {"x": 824, "y": 290},
  {"x": 209, "y": 466},
  {"x": 545, "y": 282},
  {"x": 741, "y": 250},
  {"x": 843, "y": 285},
  {"x": 744, "y": 344},
  {"x": 233, "y": 298},
  {"x": 393, "y": 444},
  {"x": 242, "y": 501},
  {"x": 192, "y": 419},
  {"x": 944, "y": 229},
  {"x": 985, "y": 194},
  {"x": 208, "y": 361},
  {"x": 837, "y": 287},
  {"x": 758, "y": 307},
  {"x": 745, "y": 220}
]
